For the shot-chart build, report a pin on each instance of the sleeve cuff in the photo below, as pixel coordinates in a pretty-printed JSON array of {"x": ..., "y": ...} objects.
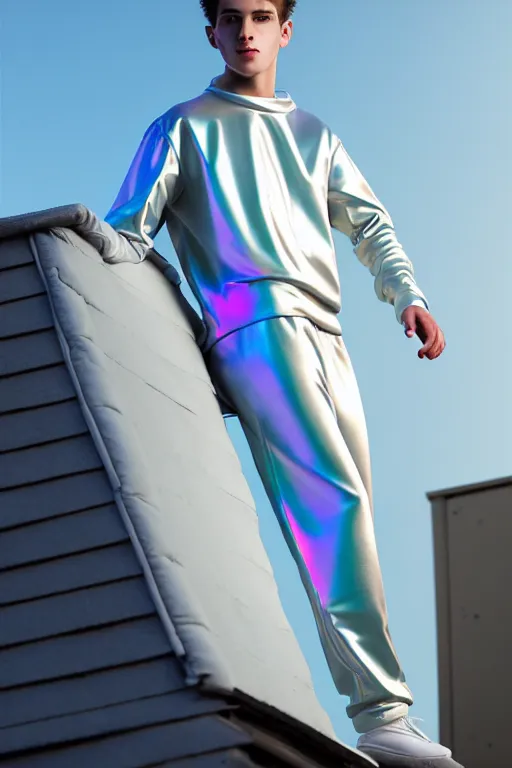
[{"x": 409, "y": 299}]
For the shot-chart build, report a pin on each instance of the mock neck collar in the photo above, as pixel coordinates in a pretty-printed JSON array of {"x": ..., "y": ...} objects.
[{"x": 282, "y": 101}]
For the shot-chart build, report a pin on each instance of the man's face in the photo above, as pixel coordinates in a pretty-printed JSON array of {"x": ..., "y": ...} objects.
[{"x": 249, "y": 35}]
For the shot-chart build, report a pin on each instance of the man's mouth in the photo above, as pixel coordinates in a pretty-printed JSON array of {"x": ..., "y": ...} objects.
[{"x": 247, "y": 50}]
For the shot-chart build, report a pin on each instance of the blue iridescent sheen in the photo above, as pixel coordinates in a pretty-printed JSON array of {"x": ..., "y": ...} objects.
[
  {"x": 250, "y": 189},
  {"x": 294, "y": 389}
]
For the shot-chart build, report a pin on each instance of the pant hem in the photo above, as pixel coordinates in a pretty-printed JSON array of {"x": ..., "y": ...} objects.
[{"x": 369, "y": 719}]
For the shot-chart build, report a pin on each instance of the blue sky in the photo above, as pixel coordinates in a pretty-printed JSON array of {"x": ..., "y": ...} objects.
[{"x": 419, "y": 93}]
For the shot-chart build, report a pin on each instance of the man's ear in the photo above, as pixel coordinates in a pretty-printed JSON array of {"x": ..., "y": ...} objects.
[
  {"x": 286, "y": 33},
  {"x": 211, "y": 36}
]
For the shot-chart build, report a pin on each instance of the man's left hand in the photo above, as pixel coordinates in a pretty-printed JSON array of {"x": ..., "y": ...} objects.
[{"x": 419, "y": 321}]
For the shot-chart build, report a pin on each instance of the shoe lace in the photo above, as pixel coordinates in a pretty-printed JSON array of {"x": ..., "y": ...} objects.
[{"x": 410, "y": 722}]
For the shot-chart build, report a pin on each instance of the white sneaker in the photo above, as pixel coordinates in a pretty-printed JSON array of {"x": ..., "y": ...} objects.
[{"x": 401, "y": 744}]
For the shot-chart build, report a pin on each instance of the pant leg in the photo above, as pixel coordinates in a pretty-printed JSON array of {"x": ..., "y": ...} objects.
[{"x": 294, "y": 390}]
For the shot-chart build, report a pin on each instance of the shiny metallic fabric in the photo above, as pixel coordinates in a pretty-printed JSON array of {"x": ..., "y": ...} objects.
[
  {"x": 295, "y": 393},
  {"x": 249, "y": 189}
]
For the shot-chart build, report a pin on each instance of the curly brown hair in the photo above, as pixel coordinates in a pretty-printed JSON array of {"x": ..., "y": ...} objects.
[{"x": 285, "y": 8}]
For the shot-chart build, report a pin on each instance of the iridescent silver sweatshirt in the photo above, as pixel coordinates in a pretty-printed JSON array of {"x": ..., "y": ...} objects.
[{"x": 249, "y": 189}]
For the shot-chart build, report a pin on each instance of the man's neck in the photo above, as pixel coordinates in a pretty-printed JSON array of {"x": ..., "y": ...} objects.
[{"x": 262, "y": 86}]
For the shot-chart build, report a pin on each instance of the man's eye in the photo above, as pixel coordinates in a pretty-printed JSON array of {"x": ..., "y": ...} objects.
[{"x": 231, "y": 19}]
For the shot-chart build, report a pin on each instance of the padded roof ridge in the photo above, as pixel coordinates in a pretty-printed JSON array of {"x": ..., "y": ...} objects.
[{"x": 188, "y": 636}]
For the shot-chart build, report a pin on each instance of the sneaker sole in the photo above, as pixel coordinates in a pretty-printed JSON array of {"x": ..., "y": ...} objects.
[{"x": 403, "y": 761}]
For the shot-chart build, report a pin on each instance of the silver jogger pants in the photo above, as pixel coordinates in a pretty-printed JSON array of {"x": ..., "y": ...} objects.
[{"x": 293, "y": 388}]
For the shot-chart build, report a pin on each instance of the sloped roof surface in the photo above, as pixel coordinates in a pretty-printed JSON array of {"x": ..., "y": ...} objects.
[{"x": 132, "y": 577}]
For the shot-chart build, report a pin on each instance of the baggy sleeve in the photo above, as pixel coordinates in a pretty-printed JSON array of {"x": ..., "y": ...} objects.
[
  {"x": 138, "y": 212},
  {"x": 356, "y": 211}
]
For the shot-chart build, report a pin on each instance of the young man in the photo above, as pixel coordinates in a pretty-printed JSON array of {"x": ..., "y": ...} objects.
[{"x": 249, "y": 187}]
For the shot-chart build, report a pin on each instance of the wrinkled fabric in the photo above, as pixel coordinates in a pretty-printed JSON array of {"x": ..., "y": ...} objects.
[
  {"x": 249, "y": 189},
  {"x": 295, "y": 392}
]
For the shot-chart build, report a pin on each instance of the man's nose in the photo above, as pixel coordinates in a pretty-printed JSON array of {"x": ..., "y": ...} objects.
[{"x": 246, "y": 32}]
